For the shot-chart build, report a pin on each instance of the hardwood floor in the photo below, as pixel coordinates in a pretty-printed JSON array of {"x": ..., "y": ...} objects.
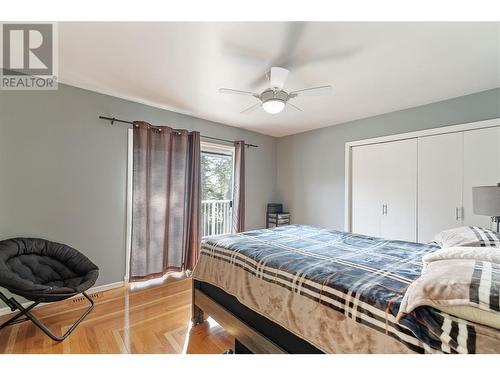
[{"x": 152, "y": 320}]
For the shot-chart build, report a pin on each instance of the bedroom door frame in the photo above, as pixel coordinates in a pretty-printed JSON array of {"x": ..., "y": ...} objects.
[
  {"x": 484, "y": 124},
  {"x": 128, "y": 231}
]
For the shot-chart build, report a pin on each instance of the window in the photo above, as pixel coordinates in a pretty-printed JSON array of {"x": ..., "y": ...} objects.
[{"x": 216, "y": 189}]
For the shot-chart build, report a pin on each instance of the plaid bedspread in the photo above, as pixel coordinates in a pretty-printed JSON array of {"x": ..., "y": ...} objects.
[{"x": 364, "y": 278}]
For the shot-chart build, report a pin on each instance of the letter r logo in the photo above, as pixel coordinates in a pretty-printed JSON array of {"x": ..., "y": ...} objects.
[{"x": 27, "y": 49}]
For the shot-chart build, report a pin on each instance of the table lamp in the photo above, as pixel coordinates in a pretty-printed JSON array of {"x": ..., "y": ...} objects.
[{"x": 486, "y": 201}]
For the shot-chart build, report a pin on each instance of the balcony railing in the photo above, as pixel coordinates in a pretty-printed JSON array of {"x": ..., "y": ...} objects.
[{"x": 215, "y": 217}]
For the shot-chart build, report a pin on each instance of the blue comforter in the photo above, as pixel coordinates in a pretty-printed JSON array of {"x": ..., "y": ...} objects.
[{"x": 369, "y": 277}]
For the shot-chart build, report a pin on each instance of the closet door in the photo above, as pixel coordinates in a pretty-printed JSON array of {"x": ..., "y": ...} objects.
[
  {"x": 384, "y": 190},
  {"x": 399, "y": 190},
  {"x": 440, "y": 165},
  {"x": 481, "y": 167},
  {"x": 366, "y": 202}
]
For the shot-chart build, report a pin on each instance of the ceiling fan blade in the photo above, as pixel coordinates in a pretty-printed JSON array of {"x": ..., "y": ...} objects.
[
  {"x": 251, "y": 109},
  {"x": 293, "y": 32},
  {"x": 245, "y": 53},
  {"x": 277, "y": 77},
  {"x": 293, "y": 36},
  {"x": 312, "y": 90},
  {"x": 237, "y": 92},
  {"x": 294, "y": 106},
  {"x": 307, "y": 59}
]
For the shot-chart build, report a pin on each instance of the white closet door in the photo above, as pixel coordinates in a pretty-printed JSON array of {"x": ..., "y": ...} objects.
[
  {"x": 366, "y": 202},
  {"x": 385, "y": 174},
  {"x": 399, "y": 190},
  {"x": 481, "y": 167},
  {"x": 440, "y": 166}
]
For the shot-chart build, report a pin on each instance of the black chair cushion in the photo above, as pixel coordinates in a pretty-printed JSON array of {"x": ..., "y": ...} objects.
[{"x": 41, "y": 270}]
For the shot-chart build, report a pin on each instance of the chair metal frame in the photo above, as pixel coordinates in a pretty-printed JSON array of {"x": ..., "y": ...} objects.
[{"x": 14, "y": 305}]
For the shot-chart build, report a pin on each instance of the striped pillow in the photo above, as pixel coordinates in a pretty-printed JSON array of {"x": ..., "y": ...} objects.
[{"x": 467, "y": 236}]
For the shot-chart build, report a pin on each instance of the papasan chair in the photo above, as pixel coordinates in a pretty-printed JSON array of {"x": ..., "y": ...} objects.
[{"x": 43, "y": 271}]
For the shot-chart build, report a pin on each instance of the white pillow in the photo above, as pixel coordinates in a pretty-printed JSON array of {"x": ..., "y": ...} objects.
[
  {"x": 487, "y": 254},
  {"x": 467, "y": 236}
]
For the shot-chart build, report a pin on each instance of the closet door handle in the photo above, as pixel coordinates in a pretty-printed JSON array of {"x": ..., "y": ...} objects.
[
  {"x": 456, "y": 213},
  {"x": 384, "y": 209}
]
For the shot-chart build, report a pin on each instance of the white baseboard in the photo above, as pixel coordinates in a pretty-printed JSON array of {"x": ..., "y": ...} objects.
[
  {"x": 95, "y": 289},
  {"x": 105, "y": 287}
]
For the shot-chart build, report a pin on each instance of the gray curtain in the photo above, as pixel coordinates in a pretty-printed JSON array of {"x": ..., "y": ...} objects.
[
  {"x": 166, "y": 201},
  {"x": 239, "y": 187}
]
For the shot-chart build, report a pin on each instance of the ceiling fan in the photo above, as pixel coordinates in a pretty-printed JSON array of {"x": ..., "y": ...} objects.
[{"x": 274, "y": 99}]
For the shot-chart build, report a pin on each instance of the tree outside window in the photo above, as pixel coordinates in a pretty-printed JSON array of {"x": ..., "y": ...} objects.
[{"x": 216, "y": 176}]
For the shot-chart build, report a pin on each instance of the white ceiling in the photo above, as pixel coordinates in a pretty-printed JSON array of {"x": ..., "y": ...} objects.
[{"x": 374, "y": 68}]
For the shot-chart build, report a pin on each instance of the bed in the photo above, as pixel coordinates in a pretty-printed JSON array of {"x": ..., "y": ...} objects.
[{"x": 303, "y": 289}]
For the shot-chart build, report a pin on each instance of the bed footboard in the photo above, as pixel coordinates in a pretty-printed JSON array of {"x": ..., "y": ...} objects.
[{"x": 248, "y": 337}]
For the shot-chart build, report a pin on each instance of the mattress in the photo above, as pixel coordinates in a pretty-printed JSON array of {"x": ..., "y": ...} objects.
[{"x": 338, "y": 291}]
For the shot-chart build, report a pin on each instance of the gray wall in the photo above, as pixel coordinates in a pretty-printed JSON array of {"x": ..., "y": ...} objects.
[
  {"x": 311, "y": 165},
  {"x": 63, "y": 171}
]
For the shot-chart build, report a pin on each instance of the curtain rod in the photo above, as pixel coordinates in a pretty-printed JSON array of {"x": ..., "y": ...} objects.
[{"x": 114, "y": 119}]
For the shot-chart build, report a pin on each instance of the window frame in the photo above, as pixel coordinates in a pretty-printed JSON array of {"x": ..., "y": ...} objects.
[
  {"x": 220, "y": 149},
  {"x": 217, "y": 148}
]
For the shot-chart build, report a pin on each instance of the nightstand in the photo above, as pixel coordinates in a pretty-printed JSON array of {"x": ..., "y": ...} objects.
[{"x": 275, "y": 217}]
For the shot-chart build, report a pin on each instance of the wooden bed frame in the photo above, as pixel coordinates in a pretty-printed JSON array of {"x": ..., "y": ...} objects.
[{"x": 246, "y": 336}]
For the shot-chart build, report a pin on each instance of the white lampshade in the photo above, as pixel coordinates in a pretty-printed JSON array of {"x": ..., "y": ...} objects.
[
  {"x": 273, "y": 106},
  {"x": 486, "y": 200}
]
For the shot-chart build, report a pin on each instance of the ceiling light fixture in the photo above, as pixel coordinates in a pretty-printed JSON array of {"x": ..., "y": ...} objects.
[
  {"x": 274, "y": 99},
  {"x": 273, "y": 106}
]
